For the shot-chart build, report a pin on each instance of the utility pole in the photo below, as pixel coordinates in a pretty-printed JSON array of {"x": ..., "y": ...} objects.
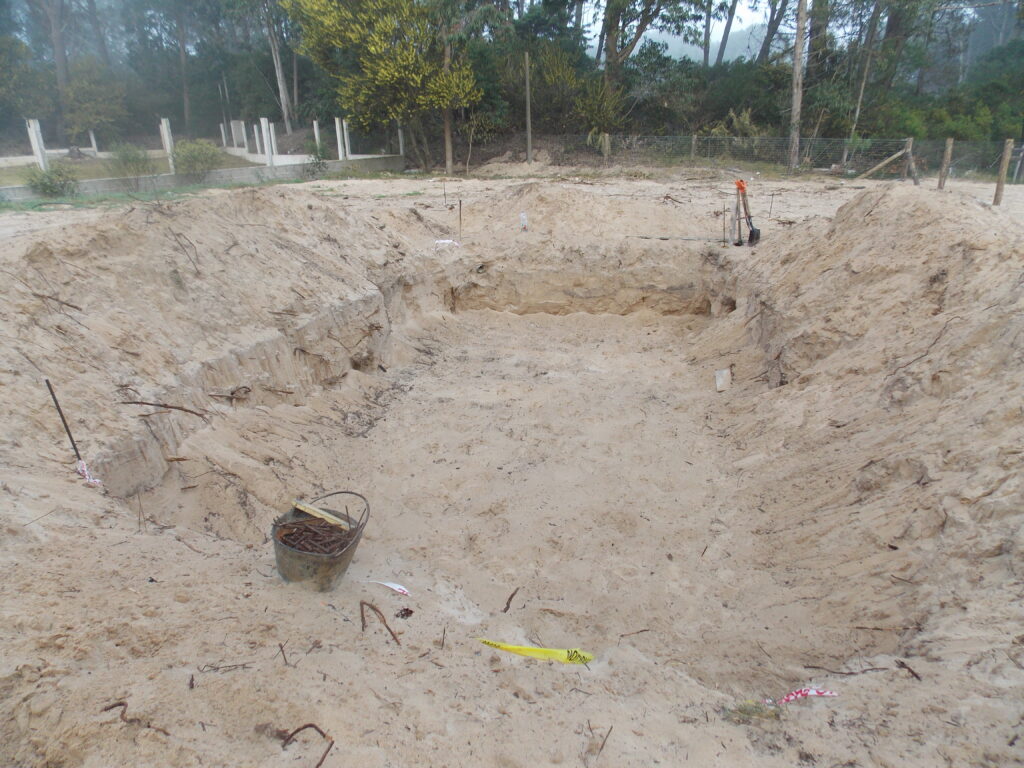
[
  {"x": 798, "y": 86},
  {"x": 529, "y": 127}
]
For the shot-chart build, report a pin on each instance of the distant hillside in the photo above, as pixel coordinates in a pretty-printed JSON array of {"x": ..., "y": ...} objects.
[{"x": 744, "y": 41}]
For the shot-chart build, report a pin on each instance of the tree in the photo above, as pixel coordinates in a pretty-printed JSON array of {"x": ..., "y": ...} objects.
[
  {"x": 56, "y": 14},
  {"x": 625, "y": 21},
  {"x": 725, "y": 34},
  {"x": 776, "y": 13},
  {"x": 95, "y": 102},
  {"x": 387, "y": 60},
  {"x": 798, "y": 85}
]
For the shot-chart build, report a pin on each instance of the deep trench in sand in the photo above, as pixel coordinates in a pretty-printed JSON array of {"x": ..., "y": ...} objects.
[
  {"x": 530, "y": 414},
  {"x": 548, "y": 432}
]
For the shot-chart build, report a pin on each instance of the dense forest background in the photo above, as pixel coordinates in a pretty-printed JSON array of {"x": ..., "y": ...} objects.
[{"x": 921, "y": 68}]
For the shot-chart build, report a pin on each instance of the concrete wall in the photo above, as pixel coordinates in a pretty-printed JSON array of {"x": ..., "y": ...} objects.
[{"x": 167, "y": 181}]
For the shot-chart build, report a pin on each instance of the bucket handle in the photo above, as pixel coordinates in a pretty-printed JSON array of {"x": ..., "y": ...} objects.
[{"x": 363, "y": 518}]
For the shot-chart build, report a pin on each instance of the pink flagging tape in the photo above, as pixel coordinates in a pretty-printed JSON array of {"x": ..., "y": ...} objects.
[
  {"x": 804, "y": 693},
  {"x": 83, "y": 470}
]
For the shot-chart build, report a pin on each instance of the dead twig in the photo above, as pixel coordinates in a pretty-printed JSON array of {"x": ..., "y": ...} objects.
[
  {"x": 603, "y": 742},
  {"x": 903, "y": 665},
  {"x": 363, "y": 605},
  {"x": 192, "y": 257},
  {"x": 225, "y": 668},
  {"x": 133, "y": 720},
  {"x": 201, "y": 415},
  {"x": 848, "y": 674},
  {"x": 639, "y": 631},
  {"x": 318, "y": 729},
  {"x": 291, "y": 736},
  {"x": 280, "y": 648},
  {"x": 59, "y": 301},
  {"x": 508, "y": 603}
]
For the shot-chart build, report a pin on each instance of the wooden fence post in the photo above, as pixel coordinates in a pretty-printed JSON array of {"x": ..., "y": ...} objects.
[
  {"x": 1004, "y": 164},
  {"x": 947, "y": 157}
]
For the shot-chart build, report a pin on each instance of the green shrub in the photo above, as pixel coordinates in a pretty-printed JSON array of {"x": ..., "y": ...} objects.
[
  {"x": 195, "y": 159},
  {"x": 131, "y": 163},
  {"x": 58, "y": 181}
]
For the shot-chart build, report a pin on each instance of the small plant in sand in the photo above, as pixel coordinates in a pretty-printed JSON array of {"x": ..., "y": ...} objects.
[
  {"x": 59, "y": 181},
  {"x": 750, "y": 712}
]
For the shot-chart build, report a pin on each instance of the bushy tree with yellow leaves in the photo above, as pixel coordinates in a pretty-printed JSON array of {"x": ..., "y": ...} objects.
[{"x": 389, "y": 60}]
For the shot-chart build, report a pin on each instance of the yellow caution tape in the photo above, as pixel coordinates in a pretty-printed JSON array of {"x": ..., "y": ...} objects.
[
  {"x": 315, "y": 512},
  {"x": 564, "y": 655}
]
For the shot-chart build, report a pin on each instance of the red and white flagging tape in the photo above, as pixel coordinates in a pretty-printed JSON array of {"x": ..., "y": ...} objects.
[
  {"x": 83, "y": 470},
  {"x": 802, "y": 693}
]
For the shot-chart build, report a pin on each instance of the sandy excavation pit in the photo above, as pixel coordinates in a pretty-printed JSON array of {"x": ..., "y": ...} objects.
[{"x": 534, "y": 411}]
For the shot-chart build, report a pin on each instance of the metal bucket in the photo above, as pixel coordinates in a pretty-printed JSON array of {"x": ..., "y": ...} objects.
[{"x": 323, "y": 570}]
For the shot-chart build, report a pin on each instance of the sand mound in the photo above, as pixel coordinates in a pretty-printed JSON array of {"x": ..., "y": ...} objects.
[{"x": 528, "y": 409}]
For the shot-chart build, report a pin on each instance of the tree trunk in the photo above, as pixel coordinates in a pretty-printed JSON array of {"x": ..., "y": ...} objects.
[
  {"x": 55, "y": 12},
  {"x": 818, "y": 41},
  {"x": 776, "y": 13},
  {"x": 706, "y": 42},
  {"x": 725, "y": 34},
  {"x": 97, "y": 30},
  {"x": 282, "y": 83},
  {"x": 295, "y": 80},
  {"x": 449, "y": 159},
  {"x": 183, "y": 62},
  {"x": 578, "y": 22},
  {"x": 798, "y": 85},
  {"x": 898, "y": 27},
  {"x": 919, "y": 87},
  {"x": 872, "y": 30}
]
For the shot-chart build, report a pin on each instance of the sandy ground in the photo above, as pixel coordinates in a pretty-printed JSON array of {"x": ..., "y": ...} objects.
[{"x": 530, "y": 411}]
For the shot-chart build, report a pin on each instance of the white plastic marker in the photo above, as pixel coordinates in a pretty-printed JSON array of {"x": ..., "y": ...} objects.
[
  {"x": 447, "y": 242},
  {"x": 390, "y": 585},
  {"x": 523, "y": 224}
]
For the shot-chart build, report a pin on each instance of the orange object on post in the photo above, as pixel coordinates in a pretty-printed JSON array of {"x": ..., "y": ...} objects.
[{"x": 741, "y": 185}]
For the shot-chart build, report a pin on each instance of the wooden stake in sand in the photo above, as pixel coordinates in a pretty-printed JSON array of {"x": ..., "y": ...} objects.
[
  {"x": 64, "y": 421},
  {"x": 947, "y": 158},
  {"x": 1004, "y": 164}
]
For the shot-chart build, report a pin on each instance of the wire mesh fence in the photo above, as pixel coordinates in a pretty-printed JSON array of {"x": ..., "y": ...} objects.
[{"x": 850, "y": 157}]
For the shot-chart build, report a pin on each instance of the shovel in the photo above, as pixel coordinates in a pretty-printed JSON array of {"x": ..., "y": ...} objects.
[{"x": 755, "y": 233}]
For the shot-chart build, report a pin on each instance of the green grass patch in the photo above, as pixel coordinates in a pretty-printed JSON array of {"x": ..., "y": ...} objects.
[{"x": 93, "y": 168}]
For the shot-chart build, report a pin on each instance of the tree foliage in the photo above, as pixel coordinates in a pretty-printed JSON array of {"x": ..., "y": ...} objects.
[{"x": 922, "y": 68}]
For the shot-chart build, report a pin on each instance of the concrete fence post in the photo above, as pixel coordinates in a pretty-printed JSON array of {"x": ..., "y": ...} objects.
[
  {"x": 316, "y": 134},
  {"x": 92, "y": 140},
  {"x": 35, "y": 138},
  {"x": 223, "y": 136},
  {"x": 273, "y": 139},
  {"x": 401, "y": 141},
  {"x": 340, "y": 136},
  {"x": 256, "y": 139},
  {"x": 167, "y": 139},
  {"x": 268, "y": 147},
  {"x": 348, "y": 144}
]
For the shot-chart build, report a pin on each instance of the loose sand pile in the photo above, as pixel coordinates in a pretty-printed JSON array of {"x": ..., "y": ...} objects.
[{"x": 530, "y": 410}]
